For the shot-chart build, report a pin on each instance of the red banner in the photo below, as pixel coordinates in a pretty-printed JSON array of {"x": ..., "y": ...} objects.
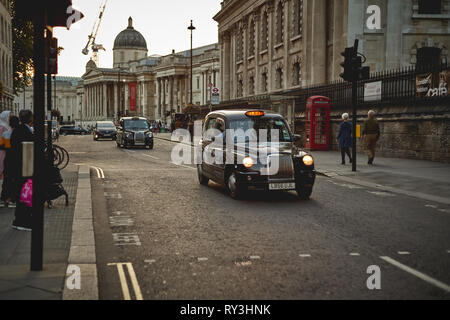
[{"x": 132, "y": 88}]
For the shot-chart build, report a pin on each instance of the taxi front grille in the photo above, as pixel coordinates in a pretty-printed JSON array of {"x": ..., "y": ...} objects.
[
  {"x": 139, "y": 137},
  {"x": 285, "y": 167}
]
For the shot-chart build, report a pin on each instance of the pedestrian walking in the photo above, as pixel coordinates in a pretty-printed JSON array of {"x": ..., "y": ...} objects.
[
  {"x": 344, "y": 138},
  {"x": 4, "y": 127},
  {"x": 5, "y": 144},
  {"x": 23, "y": 133},
  {"x": 371, "y": 134}
]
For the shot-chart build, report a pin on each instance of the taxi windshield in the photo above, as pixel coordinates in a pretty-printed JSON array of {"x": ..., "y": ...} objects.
[
  {"x": 136, "y": 125},
  {"x": 258, "y": 124},
  {"x": 106, "y": 126}
]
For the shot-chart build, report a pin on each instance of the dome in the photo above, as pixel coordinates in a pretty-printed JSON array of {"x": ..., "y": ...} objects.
[{"x": 130, "y": 38}]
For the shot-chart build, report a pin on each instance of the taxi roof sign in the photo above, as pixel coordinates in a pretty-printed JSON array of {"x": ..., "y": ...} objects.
[{"x": 254, "y": 113}]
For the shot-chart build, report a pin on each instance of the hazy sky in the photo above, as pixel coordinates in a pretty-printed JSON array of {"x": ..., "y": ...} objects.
[{"x": 163, "y": 23}]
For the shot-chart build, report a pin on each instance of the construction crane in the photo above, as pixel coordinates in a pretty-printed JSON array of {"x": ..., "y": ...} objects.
[{"x": 91, "y": 42}]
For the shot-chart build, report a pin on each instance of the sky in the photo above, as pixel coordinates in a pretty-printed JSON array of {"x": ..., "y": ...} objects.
[{"x": 163, "y": 23}]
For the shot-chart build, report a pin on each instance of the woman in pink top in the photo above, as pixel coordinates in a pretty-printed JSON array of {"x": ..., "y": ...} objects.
[{"x": 4, "y": 126}]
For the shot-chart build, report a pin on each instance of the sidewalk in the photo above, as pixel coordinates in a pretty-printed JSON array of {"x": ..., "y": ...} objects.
[
  {"x": 417, "y": 178},
  {"x": 16, "y": 279}
]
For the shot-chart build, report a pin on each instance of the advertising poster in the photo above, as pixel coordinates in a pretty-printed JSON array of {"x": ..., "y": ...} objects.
[{"x": 132, "y": 96}]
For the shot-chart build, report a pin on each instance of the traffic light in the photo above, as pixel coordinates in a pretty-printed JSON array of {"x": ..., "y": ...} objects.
[
  {"x": 51, "y": 56},
  {"x": 348, "y": 73}
]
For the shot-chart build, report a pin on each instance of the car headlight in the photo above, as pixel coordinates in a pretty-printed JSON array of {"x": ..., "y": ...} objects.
[
  {"x": 149, "y": 134},
  {"x": 129, "y": 135},
  {"x": 248, "y": 162},
  {"x": 308, "y": 160}
]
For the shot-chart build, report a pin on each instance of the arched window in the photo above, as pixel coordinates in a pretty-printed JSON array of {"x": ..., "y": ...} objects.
[
  {"x": 239, "y": 45},
  {"x": 280, "y": 22},
  {"x": 265, "y": 31},
  {"x": 298, "y": 17},
  {"x": 430, "y": 6},
  {"x": 264, "y": 81},
  {"x": 251, "y": 39},
  {"x": 279, "y": 79},
  {"x": 297, "y": 76}
]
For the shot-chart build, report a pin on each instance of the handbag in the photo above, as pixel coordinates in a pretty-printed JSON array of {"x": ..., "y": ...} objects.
[{"x": 26, "y": 193}]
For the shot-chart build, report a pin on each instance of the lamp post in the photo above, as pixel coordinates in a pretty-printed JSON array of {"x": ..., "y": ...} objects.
[{"x": 191, "y": 28}]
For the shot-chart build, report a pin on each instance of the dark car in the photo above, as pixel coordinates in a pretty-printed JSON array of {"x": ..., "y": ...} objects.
[
  {"x": 72, "y": 130},
  {"x": 254, "y": 162},
  {"x": 134, "y": 132},
  {"x": 104, "y": 130}
]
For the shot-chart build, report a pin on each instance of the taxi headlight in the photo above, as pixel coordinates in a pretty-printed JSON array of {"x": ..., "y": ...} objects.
[
  {"x": 308, "y": 160},
  {"x": 248, "y": 162}
]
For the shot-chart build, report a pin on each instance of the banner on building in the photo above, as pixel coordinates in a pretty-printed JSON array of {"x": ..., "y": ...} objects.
[
  {"x": 132, "y": 87},
  {"x": 432, "y": 84},
  {"x": 372, "y": 91}
]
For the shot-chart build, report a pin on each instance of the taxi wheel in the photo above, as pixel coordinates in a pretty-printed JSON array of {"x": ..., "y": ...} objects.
[
  {"x": 304, "y": 193},
  {"x": 233, "y": 187},
  {"x": 201, "y": 178}
]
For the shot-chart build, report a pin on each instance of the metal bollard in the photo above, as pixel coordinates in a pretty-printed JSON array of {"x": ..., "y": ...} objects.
[{"x": 27, "y": 159}]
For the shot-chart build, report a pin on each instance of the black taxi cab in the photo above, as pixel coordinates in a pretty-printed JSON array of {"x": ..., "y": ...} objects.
[
  {"x": 265, "y": 157},
  {"x": 134, "y": 132}
]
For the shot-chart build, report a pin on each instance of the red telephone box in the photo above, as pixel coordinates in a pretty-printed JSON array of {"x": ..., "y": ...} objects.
[{"x": 318, "y": 123}]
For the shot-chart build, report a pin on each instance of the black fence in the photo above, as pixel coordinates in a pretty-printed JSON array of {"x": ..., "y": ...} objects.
[
  {"x": 408, "y": 86},
  {"x": 402, "y": 87}
]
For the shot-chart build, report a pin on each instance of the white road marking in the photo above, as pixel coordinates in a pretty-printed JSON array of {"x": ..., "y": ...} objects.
[
  {"x": 354, "y": 254},
  {"x": 121, "y": 221},
  {"x": 381, "y": 193},
  {"x": 431, "y": 206},
  {"x": 417, "y": 274},
  {"x": 77, "y": 153},
  {"x": 202, "y": 259},
  {"x": 149, "y": 156},
  {"x": 182, "y": 165},
  {"x": 255, "y": 258},
  {"x": 113, "y": 195},
  {"x": 100, "y": 173},
  {"x": 126, "y": 239},
  {"x": 150, "y": 261},
  {"x": 444, "y": 210},
  {"x": 305, "y": 256},
  {"x": 403, "y": 253}
]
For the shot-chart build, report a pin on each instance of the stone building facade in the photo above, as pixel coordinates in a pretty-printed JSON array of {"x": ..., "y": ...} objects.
[
  {"x": 65, "y": 91},
  {"x": 148, "y": 86},
  {"x": 6, "y": 60},
  {"x": 269, "y": 46}
]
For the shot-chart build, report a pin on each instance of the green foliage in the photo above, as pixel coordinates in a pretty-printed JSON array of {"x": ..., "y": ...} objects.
[{"x": 22, "y": 31}]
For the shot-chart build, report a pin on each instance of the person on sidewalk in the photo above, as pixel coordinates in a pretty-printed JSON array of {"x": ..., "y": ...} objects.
[
  {"x": 5, "y": 144},
  {"x": 344, "y": 138},
  {"x": 371, "y": 134},
  {"x": 23, "y": 133},
  {"x": 4, "y": 127}
]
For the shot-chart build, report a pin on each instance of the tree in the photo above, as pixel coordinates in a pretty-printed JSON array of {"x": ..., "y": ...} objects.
[{"x": 22, "y": 31}]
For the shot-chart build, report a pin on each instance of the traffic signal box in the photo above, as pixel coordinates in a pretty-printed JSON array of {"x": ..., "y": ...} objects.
[
  {"x": 353, "y": 69},
  {"x": 51, "y": 56}
]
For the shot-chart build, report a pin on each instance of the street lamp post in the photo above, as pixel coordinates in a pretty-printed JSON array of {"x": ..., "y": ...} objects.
[{"x": 191, "y": 28}]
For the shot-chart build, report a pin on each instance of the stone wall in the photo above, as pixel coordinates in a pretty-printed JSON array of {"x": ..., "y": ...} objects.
[{"x": 406, "y": 132}]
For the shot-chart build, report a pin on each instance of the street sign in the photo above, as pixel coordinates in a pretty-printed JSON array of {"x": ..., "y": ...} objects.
[{"x": 215, "y": 96}]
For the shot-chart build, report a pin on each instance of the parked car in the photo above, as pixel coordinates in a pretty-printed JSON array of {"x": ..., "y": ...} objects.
[
  {"x": 134, "y": 132},
  {"x": 252, "y": 157},
  {"x": 104, "y": 130},
  {"x": 72, "y": 130}
]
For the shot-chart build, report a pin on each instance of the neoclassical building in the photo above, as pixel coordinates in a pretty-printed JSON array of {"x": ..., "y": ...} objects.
[
  {"x": 269, "y": 46},
  {"x": 149, "y": 86},
  {"x": 6, "y": 60}
]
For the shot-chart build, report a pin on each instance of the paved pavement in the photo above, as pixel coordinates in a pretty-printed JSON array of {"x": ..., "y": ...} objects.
[
  {"x": 17, "y": 282},
  {"x": 160, "y": 235}
]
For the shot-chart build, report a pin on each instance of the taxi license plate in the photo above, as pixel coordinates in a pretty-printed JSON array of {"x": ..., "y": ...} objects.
[{"x": 281, "y": 186}]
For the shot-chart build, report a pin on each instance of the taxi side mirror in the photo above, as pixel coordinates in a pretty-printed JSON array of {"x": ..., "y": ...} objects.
[{"x": 297, "y": 137}]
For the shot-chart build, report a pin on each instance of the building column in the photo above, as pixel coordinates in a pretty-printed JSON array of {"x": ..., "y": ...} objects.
[
  {"x": 319, "y": 42},
  {"x": 116, "y": 100},
  {"x": 126, "y": 102},
  {"x": 171, "y": 92},
  {"x": 105, "y": 102},
  {"x": 159, "y": 99},
  {"x": 144, "y": 98}
]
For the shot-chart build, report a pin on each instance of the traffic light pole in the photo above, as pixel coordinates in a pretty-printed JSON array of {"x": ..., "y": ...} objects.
[{"x": 355, "y": 115}]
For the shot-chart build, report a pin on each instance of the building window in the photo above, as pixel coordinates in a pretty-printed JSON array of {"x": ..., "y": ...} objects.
[
  {"x": 198, "y": 82},
  {"x": 265, "y": 31},
  {"x": 280, "y": 22},
  {"x": 430, "y": 6},
  {"x": 279, "y": 84},
  {"x": 264, "y": 82},
  {"x": 240, "y": 88},
  {"x": 251, "y": 39},
  {"x": 298, "y": 17},
  {"x": 240, "y": 46},
  {"x": 297, "y": 74},
  {"x": 251, "y": 86},
  {"x": 428, "y": 57}
]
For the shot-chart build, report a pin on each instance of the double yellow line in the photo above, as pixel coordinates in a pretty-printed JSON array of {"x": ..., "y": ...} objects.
[{"x": 124, "y": 283}]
